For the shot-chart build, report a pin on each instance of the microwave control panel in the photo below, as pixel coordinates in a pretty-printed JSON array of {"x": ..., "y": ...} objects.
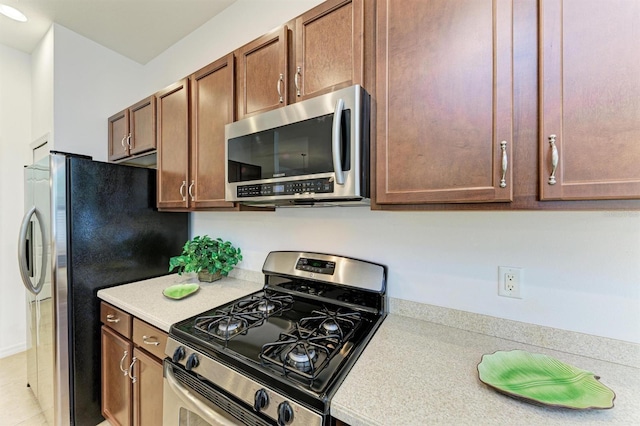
[{"x": 308, "y": 186}]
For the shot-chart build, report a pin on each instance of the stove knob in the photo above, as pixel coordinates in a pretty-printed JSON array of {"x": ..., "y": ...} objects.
[
  {"x": 261, "y": 400},
  {"x": 192, "y": 362},
  {"x": 178, "y": 354},
  {"x": 285, "y": 414}
]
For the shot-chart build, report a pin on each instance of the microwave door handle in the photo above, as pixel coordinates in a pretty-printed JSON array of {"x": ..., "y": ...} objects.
[{"x": 336, "y": 142}]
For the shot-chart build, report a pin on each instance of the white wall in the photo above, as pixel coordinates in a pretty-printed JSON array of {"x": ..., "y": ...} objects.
[
  {"x": 91, "y": 83},
  {"x": 581, "y": 269},
  {"x": 42, "y": 90},
  {"x": 15, "y": 135},
  {"x": 240, "y": 23}
]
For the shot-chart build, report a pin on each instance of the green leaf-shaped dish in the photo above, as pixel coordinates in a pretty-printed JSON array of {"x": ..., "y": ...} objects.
[
  {"x": 541, "y": 379},
  {"x": 180, "y": 291}
]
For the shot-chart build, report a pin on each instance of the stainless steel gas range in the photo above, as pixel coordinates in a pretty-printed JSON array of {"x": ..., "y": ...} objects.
[{"x": 278, "y": 355}]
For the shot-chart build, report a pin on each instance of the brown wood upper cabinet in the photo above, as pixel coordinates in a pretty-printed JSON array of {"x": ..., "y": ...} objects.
[
  {"x": 444, "y": 101},
  {"x": 173, "y": 146},
  {"x": 262, "y": 73},
  {"x": 327, "y": 54},
  {"x": 329, "y": 48},
  {"x": 212, "y": 107},
  {"x": 133, "y": 130},
  {"x": 590, "y": 99},
  {"x": 191, "y": 118}
]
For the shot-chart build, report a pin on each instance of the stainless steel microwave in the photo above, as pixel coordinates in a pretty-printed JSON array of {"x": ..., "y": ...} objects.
[{"x": 311, "y": 153}]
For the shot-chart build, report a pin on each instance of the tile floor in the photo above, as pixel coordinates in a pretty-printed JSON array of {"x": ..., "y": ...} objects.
[{"x": 18, "y": 406}]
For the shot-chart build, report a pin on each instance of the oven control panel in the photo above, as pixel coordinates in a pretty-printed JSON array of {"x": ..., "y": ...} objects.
[
  {"x": 308, "y": 186},
  {"x": 316, "y": 265},
  {"x": 256, "y": 397}
]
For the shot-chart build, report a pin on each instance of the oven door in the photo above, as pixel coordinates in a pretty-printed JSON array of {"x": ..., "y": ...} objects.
[{"x": 189, "y": 401}]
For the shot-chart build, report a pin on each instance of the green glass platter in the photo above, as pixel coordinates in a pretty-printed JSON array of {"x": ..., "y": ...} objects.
[
  {"x": 544, "y": 380},
  {"x": 180, "y": 291}
]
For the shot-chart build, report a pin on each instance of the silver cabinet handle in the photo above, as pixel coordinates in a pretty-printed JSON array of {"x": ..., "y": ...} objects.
[
  {"x": 336, "y": 141},
  {"x": 280, "y": 83},
  {"x": 130, "y": 372},
  {"x": 193, "y": 182},
  {"x": 503, "y": 147},
  {"x": 554, "y": 159},
  {"x": 112, "y": 318},
  {"x": 184, "y": 185},
  {"x": 129, "y": 140},
  {"x": 147, "y": 341},
  {"x": 124, "y": 356},
  {"x": 297, "y": 80},
  {"x": 124, "y": 147}
]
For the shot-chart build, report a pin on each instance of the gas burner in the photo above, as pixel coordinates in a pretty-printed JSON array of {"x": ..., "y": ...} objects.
[
  {"x": 339, "y": 322},
  {"x": 266, "y": 306},
  {"x": 230, "y": 326},
  {"x": 302, "y": 352},
  {"x": 300, "y": 358},
  {"x": 242, "y": 316},
  {"x": 224, "y": 324},
  {"x": 298, "y": 355},
  {"x": 330, "y": 326},
  {"x": 315, "y": 289}
]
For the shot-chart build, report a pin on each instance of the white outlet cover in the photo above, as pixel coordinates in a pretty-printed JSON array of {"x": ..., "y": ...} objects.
[{"x": 518, "y": 273}]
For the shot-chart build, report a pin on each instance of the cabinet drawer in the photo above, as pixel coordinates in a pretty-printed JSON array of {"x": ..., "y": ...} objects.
[
  {"x": 149, "y": 338},
  {"x": 116, "y": 319}
]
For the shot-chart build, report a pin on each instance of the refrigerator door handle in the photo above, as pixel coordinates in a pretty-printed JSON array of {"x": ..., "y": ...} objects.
[{"x": 22, "y": 252}]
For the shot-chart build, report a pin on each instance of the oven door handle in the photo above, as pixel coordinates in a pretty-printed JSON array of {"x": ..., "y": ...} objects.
[
  {"x": 192, "y": 402},
  {"x": 336, "y": 142}
]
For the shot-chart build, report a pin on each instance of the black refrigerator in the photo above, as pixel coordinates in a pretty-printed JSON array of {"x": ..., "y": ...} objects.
[{"x": 88, "y": 225}]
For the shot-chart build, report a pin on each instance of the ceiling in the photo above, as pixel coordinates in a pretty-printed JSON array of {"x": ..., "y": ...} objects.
[{"x": 137, "y": 29}]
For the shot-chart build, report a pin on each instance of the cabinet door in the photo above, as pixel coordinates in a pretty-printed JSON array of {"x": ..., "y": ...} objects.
[
  {"x": 118, "y": 133},
  {"x": 142, "y": 126},
  {"x": 116, "y": 385},
  {"x": 212, "y": 106},
  {"x": 444, "y": 101},
  {"x": 147, "y": 389},
  {"x": 590, "y": 94},
  {"x": 329, "y": 48},
  {"x": 173, "y": 146},
  {"x": 262, "y": 73}
]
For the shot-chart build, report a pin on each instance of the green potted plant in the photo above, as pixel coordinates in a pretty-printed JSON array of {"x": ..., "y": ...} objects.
[{"x": 209, "y": 258}]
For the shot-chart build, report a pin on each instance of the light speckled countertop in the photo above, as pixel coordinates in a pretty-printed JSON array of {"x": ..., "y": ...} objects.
[
  {"x": 144, "y": 299},
  {"x": 416, "y": 372}
]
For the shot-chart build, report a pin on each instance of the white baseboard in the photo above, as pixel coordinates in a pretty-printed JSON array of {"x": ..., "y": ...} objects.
[{"x": 12, "y": 350}]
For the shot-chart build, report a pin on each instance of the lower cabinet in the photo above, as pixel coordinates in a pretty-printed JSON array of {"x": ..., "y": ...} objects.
[
  {"x": 131, "y": 371},
  {"x": 147, "y": 389},
  {"x": 117, "y": 353}
]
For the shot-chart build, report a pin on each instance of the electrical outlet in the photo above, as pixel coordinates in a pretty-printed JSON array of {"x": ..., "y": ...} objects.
[{"x": 510, "y": 281}]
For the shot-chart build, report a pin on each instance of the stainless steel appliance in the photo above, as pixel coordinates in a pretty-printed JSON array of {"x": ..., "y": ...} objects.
[
  {"x": 278, "y": 355},
  {"x": 88, "y": 225},
  {"x": 311, "y": 153}
]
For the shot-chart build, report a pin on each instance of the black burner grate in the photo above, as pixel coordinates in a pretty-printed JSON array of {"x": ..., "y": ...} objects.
[
  {"x": 312, "y": 344},
  {"x": 237, "y": 319}
]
